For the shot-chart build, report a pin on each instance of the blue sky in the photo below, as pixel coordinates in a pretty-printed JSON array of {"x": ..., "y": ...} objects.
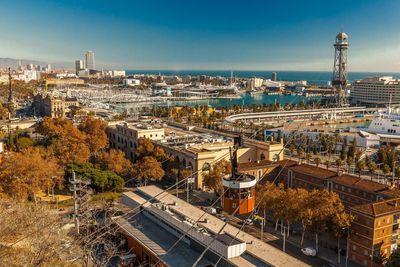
[{"x": 203, "y": 34}]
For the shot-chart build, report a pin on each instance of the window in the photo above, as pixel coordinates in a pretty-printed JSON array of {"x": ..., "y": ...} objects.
[
  {"x": 354, "y": 247},
  {"x": 365, "y": 252},
  {"x": 234, "y": 205}
]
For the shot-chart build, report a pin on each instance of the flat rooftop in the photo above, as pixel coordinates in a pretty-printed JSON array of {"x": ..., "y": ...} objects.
[
  {"x": 256, "y": 251},
  {"x": 159, "y": 241}
]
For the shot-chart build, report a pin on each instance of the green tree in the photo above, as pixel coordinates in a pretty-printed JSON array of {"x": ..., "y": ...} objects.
[
  {"x": 360, "y": 167},
  {"x": 339, "y": 164},
  {"x": 317, "y": 161},
  {"x": 343, "y": 152},
  {"x": 101, "y": 180},
  {"x": 328, "y": 164},
  {"x": 372, "y": 168},
  {"x": 386, "y": 169}
]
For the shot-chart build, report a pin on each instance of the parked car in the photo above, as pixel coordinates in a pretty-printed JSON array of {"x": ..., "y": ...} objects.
[{"x": 309, "y": 252}]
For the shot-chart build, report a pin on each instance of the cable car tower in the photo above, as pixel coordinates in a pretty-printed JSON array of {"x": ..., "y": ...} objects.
[{"x": 339, "y": 79}]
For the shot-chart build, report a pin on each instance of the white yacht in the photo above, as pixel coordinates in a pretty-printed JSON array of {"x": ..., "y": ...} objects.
[{"x": 386, "y": 124}]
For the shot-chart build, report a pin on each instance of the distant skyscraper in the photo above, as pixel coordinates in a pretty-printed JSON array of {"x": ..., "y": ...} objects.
[
  {"x": 273, "y": 76},
  {"x": 89, "y": 60},
  {"x": 79, "y": 65},
  {"x": 48, "y": 68}
]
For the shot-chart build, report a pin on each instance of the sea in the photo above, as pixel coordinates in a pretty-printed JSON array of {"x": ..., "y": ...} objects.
[{"x": 312, "y": 77}]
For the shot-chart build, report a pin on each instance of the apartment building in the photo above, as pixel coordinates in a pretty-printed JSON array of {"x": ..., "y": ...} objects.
[
  {"x": 125, "y": 136},
  {"x": 375, "y": 232},
  {"x": 352, "y": 190}
]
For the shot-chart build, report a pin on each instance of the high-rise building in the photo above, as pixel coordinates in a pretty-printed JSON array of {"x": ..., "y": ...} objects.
[
  {"x": 89, "y": 60},
  {"x": 48, "y": 67},
  {"x": 273, "y": 76},
  {"x": 79, "y": 65}
]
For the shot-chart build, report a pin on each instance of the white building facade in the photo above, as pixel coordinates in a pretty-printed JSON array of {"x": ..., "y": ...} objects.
[{"x": 375, "y": 91}]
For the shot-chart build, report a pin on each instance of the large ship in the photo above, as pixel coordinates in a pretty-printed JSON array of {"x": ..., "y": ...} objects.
[{"x": 386, "y": 124}]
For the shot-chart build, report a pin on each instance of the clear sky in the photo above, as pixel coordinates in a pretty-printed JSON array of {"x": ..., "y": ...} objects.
[{"x": 203, "y": 34}]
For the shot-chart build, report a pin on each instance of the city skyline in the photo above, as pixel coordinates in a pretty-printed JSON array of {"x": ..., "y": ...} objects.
[{"x": 209, "y": 36}]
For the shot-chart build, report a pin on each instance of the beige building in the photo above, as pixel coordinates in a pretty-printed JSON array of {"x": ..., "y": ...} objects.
[
  {"x": 55, "y": 107},
  {"x": 255, "y": 83},
  {"x": 194, "y": 150},
  {"x": 125, "y": 136}
]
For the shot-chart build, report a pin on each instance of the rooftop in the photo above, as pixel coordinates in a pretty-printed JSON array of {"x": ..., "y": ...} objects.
[
  {"x": 159, "y": 241},
  {"x": 255, "y": 250},
  {"x": 313, "y": 171},
  {"x": 359, "y": 183},
  {"x": 379, "y": 208}
]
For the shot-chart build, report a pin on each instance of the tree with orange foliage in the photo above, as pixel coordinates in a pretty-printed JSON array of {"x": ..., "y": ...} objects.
[
  {"x": 146, "y": 148},
  {"x": 65, "y": 140},
  {"x": 96, "y": 136},
  {"x": 148, "y": 169},
  {"x": 114, "y": 160},
  {"x": 22, "y": 174},
  {"x": 213, "y": 179}
]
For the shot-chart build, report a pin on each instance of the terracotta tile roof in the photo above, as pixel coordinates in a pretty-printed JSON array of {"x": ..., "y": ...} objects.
[
  {"x": 379, "y": 208},
  {"x": 313, "y": 171},
  {"x": 359, "y": 183},
  {"x": 390, "y": 193}
]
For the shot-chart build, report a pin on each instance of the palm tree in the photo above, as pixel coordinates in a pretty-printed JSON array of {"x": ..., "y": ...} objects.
[
  {"x": 360, "y": 167},
  {"x": 317, "y": 161},
  {"x": 328, "y": 164},
  {"x": 308, "y": 157},
  {"x": 339, "y": 163},
  {"x": 372, "y": 168}
]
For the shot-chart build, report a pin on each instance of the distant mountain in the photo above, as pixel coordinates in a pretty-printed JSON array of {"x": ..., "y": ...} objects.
[{"x": 14, "y": 63}]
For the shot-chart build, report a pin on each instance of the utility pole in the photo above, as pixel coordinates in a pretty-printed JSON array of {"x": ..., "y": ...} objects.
[
  {"x": 76, "y": 220},
  {"x": 81, "y": 195}
]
